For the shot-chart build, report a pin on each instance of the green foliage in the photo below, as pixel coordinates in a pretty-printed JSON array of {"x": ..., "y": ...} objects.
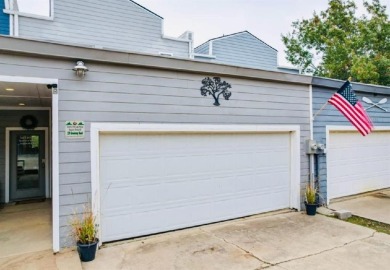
[
  {"x": 84, "y": 228},
  {"x": 336, "y": 43},
  {"x": 310, "y": 194},
  {"x": 372, "y": 224}
]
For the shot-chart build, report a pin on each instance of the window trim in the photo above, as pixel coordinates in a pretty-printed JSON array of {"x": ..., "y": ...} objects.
[{"x": 10, "y": 11}]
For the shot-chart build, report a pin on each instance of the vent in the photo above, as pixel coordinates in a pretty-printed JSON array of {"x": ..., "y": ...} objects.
[{"x": 165, "y": 54}]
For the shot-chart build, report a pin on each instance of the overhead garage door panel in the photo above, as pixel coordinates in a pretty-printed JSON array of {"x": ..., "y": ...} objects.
[
  {"x": 155, "y": 183},
  {"x": 358, "y": 164}
]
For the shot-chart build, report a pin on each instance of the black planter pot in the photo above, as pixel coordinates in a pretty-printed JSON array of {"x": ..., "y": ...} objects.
[
  {"x": 87, "y": 251},
  {"x": 311, "y": 209}
]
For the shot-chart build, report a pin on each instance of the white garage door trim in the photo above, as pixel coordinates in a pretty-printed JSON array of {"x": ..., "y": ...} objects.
[
  {"x": 99, "y": 128},
  {"x": 330, "y": 129}
]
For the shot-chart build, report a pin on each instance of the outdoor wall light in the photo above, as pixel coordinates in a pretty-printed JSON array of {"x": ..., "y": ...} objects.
[{"x": 80, "y": 69}]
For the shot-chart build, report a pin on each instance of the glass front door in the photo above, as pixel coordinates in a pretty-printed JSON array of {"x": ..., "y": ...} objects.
[{"x": 27, "y": 165}]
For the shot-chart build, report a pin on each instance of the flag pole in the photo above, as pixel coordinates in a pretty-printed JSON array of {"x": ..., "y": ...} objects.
[{"x": 318, "y": 112}]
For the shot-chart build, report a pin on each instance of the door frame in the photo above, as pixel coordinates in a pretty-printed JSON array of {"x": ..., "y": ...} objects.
[
  {"x": 54, "y": 125},
  {"x": 331, "y": 128},
  {"x": 7, "y": 161},
  {"x": 146, "y": 128}
]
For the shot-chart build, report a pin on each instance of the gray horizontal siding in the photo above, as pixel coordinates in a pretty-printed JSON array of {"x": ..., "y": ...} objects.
[
  {"x": 203, "y": 49},
  {"x": 127, "y": 94},
  {"x": 118, "y": 24},
  {"x": 244, "y": 50},
  {"x": 11, "y": 118},
  {"x": 331, "y": 116}
]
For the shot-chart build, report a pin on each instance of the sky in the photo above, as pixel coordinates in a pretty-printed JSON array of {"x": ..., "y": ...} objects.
[{"x": 266, "y": 19}]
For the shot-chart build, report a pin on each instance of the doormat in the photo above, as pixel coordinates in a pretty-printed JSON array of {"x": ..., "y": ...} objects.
[{"x": 31, "y": 201}]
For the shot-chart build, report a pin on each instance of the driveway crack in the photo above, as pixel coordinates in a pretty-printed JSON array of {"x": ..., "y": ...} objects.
[
  {"x": 326, "y": 250},
  {"x": 240, "y": 248},
  {"x": 269, "y": 264}
]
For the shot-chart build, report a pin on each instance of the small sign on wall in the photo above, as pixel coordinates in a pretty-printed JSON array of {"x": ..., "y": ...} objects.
[{"x": 74, "y": 129}]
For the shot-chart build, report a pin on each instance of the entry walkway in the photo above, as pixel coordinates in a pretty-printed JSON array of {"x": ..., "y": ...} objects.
[
  {"x": 25, "y": 228},
  {"x": 373, "y": 205}
]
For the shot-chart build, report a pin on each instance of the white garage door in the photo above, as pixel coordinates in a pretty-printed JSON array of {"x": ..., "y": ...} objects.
[
  {"x": 152, "y": 183},
  {"x": 357, "y": 164}
]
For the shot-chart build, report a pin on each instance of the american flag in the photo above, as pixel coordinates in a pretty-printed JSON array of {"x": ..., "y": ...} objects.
[{"x": 348, "y": 104}]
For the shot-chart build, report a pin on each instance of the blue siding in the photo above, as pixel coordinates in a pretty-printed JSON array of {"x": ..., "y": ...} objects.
[
  {"x": 242, "y": 49},
  {"x": 4, "y": 20},
  {"x": 323, "y": 89},
  {"x": 245, "y": 50},
  {"x": 203, "y": 49}
]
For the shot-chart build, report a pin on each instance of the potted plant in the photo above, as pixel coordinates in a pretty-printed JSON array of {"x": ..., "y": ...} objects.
[
  {"x": 84, "y": 231},
  {"x": 310, "y": 199}
]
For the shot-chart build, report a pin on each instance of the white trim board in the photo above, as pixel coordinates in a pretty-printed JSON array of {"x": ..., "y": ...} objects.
[
  {"x": 103, "y": 128},
  {"x": 9, "y": 9},
  {"x": 20, "y": 79},
  {"x": 20, "y": 108},
  {"x": 54, "y": 150},
  {"x": 7, "y": 152},
  {"x": 332, "y": 128},
  {"x": 28, "y": 15},
  {"x": 55, "y": 172}
]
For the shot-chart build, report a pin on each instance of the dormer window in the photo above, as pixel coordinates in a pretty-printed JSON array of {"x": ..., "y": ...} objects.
[
  {"x": 39, "y": 9},
  {"x": 36, "y": 7}
]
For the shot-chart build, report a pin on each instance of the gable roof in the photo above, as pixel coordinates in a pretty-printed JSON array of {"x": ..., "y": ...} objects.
[
  {"x": 234, "y": 34},
  {"x": 148, "y": 10}
]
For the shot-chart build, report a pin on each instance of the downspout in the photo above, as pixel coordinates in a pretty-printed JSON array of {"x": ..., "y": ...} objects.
[
  {"x": 12, "y": 6},
  {"x": 191, "y": 48},
  {"x": 311, "y": 156},
  {"x": 9, "y": 5}
]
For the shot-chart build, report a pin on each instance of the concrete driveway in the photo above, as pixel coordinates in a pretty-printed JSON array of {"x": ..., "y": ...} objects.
[
  {"x": 276, "y": 242},
  {"x": 374, "y": 205}
]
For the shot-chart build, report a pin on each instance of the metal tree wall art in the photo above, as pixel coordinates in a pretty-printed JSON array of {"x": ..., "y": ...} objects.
[{"x": 215, "y": 87}]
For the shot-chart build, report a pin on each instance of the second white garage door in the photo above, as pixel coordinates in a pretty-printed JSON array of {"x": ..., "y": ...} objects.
[
  {"x": 152, "y": 183},
  {"x": 357, "y": 164}
]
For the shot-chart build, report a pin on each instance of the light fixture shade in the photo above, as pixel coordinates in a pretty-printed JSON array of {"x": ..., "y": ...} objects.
[{"x": 80, "y": 69}]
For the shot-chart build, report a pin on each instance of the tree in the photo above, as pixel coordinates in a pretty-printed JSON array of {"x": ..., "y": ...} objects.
[
  {"x": 215, "y": 87},
  {"x": 336, "y": 43}
]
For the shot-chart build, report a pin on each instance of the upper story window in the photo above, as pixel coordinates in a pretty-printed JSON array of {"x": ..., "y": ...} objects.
[
  {"x": 35, "y": 7},
  {"x": 40, "y": 9}
]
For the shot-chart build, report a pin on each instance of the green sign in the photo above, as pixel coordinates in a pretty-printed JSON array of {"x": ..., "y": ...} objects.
[{"x": 74, "y": 129}]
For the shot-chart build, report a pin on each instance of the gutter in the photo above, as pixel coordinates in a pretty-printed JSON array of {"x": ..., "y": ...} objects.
[
  {"x": 20, "y": 46},
  {"x": 334, "y": 84}
]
